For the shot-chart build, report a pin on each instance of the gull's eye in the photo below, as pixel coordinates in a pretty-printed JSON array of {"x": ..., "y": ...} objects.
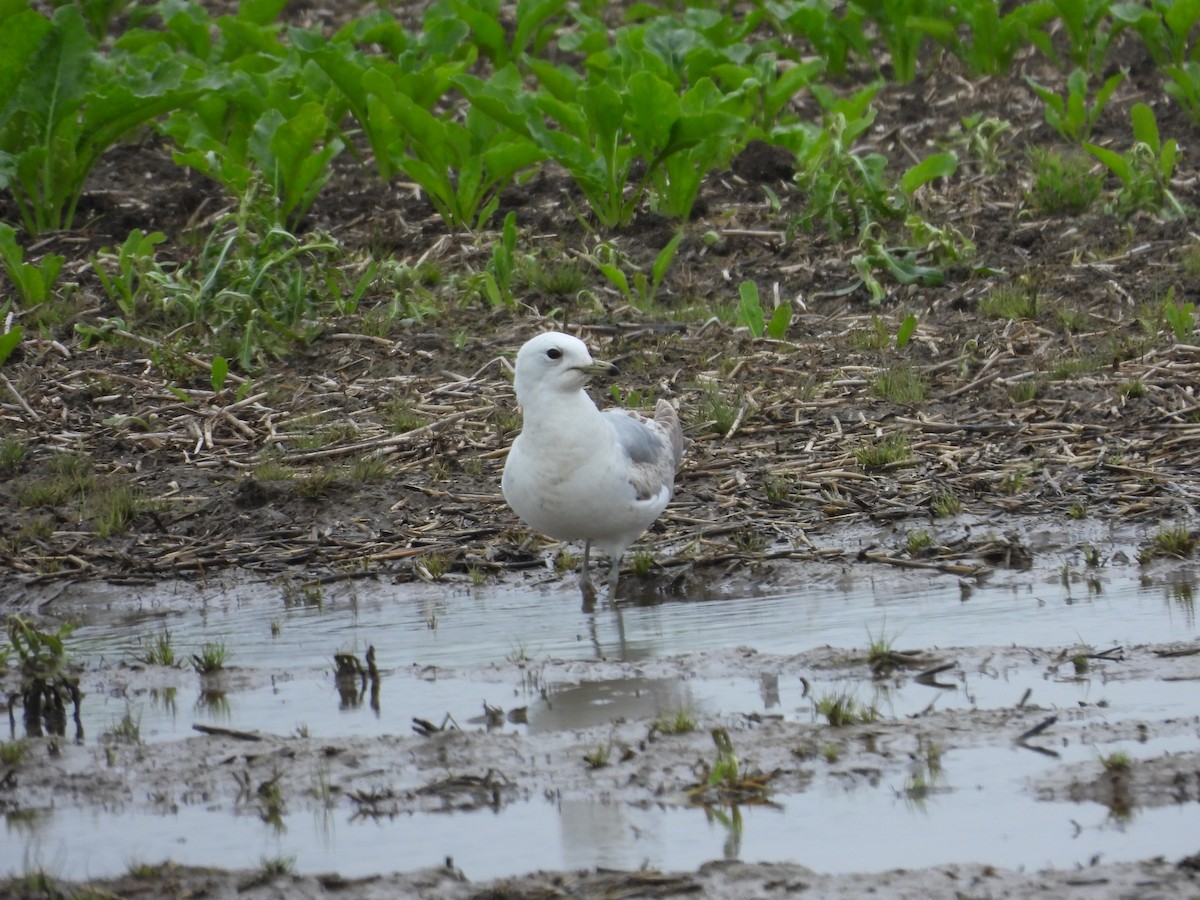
[{"x": 554, "y": 353}]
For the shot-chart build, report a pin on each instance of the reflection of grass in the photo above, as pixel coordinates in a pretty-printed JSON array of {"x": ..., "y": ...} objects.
[
  {"x": 12, "y": 752},
  {"x": 126, "y": 730}
]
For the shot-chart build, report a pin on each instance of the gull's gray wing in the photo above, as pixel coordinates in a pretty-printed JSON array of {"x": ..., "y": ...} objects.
[
  {"x": 655, "y": 447},
  {"x": 636, "y": 437}
]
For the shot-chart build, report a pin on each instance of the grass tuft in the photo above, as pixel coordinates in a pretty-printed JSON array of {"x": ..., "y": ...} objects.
[
  {"x": 1064, "y": 185},
  {"x": 1171, "y": 540},
  {"x": 900, "y": 385},
  {"x": 211, "y": 658},
  {"x": 882, "y": 452},
  {"x": 681, "y": 723},
  {"x": 843, "y": 709}
]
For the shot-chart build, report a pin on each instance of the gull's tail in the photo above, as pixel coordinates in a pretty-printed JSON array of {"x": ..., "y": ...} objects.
[{"x": 667, "y": 419}]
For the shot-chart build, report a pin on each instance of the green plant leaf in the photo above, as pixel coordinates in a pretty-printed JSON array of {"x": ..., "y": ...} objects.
[
  {"x": 9, "y": 342},
  {"x": 939, "y": 165},
  {"x": 1145, "y": 128},
  {"x": 780, "y": 320},
  {"x": 905, "y": 332},
  {"x": 750, "y": 311},
  {"x": 1115, "y": 162},
  {"x": 219, "y": 372}
]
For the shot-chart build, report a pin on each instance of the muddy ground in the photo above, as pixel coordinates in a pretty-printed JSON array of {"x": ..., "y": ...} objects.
[{"x": 1084, "y": 410}]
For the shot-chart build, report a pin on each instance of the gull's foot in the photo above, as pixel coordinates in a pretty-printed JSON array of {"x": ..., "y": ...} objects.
[{"x": 588, "y": 590}]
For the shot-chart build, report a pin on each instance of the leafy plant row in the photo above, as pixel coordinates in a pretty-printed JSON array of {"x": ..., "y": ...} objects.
[
  {"x": 637, "y": 114},
  {"x": 668, "y": 97}
]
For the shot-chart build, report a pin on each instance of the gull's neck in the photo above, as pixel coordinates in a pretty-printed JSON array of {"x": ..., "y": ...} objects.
[{"x": 563, "y": 412}]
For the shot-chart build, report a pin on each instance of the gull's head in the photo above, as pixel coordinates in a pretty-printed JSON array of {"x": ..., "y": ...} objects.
[{"x": 556, "y": 363}]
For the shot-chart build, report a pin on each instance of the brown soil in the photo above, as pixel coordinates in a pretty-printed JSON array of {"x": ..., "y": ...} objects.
[{"x": 780, "y": 480}]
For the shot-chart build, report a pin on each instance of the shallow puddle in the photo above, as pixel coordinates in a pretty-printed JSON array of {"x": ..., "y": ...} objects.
[
  {"x": 979, "y": 810},
  {"x": 448, "y": 652}
]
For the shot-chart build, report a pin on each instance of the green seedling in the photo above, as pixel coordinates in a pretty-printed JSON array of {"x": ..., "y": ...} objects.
[
  {"x": 34, "y": 282},
  {"x": 461, "y": 166},
  {"x": 9, "y": 341},
  {"x": 905, "y": 331},
  {"x": 905, "y": 26},
  {"x": 1180, "y": 316},
  {"x": 122, "y": 272},
  {"x": 603, "y": 131},
  {"x": 42, "y": 663},
  {"x": 565, "y": 561},
  {"x": 981, "y": 140},
  {"x": 726, "y": 770},
  {"x": 998, "y": 31},
  {"x": 1165, "y": 26},
  {"x": 752, "y": 316},
  {"x": 435, "y": 566},
  {"x": 898, "y": 263},
  {"x": 317, "y": 484},
  {"x": 1071, "y": 115},
  {"x": 1183, "y": 85},
  {"x": 832, "y": 753},
  {"x": 1089, "y": 29},
  {"x": 778, "y": 489},
  {"x": 1146, "y": 169},
  {"x": 556, "y": 277},
  {"x": 498, "y": 277}
]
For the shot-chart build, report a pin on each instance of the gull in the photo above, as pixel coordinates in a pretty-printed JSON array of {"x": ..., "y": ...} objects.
[{"x": 577, "y": 474}]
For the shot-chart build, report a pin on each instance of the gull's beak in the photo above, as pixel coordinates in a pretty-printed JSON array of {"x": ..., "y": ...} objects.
[{"x": 600, "y": 367}]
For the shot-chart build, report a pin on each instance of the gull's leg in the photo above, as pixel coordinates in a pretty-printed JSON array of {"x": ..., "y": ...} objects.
[
  {"x": 614, "y": 574},
  {"x": 585, "y": 580}
]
